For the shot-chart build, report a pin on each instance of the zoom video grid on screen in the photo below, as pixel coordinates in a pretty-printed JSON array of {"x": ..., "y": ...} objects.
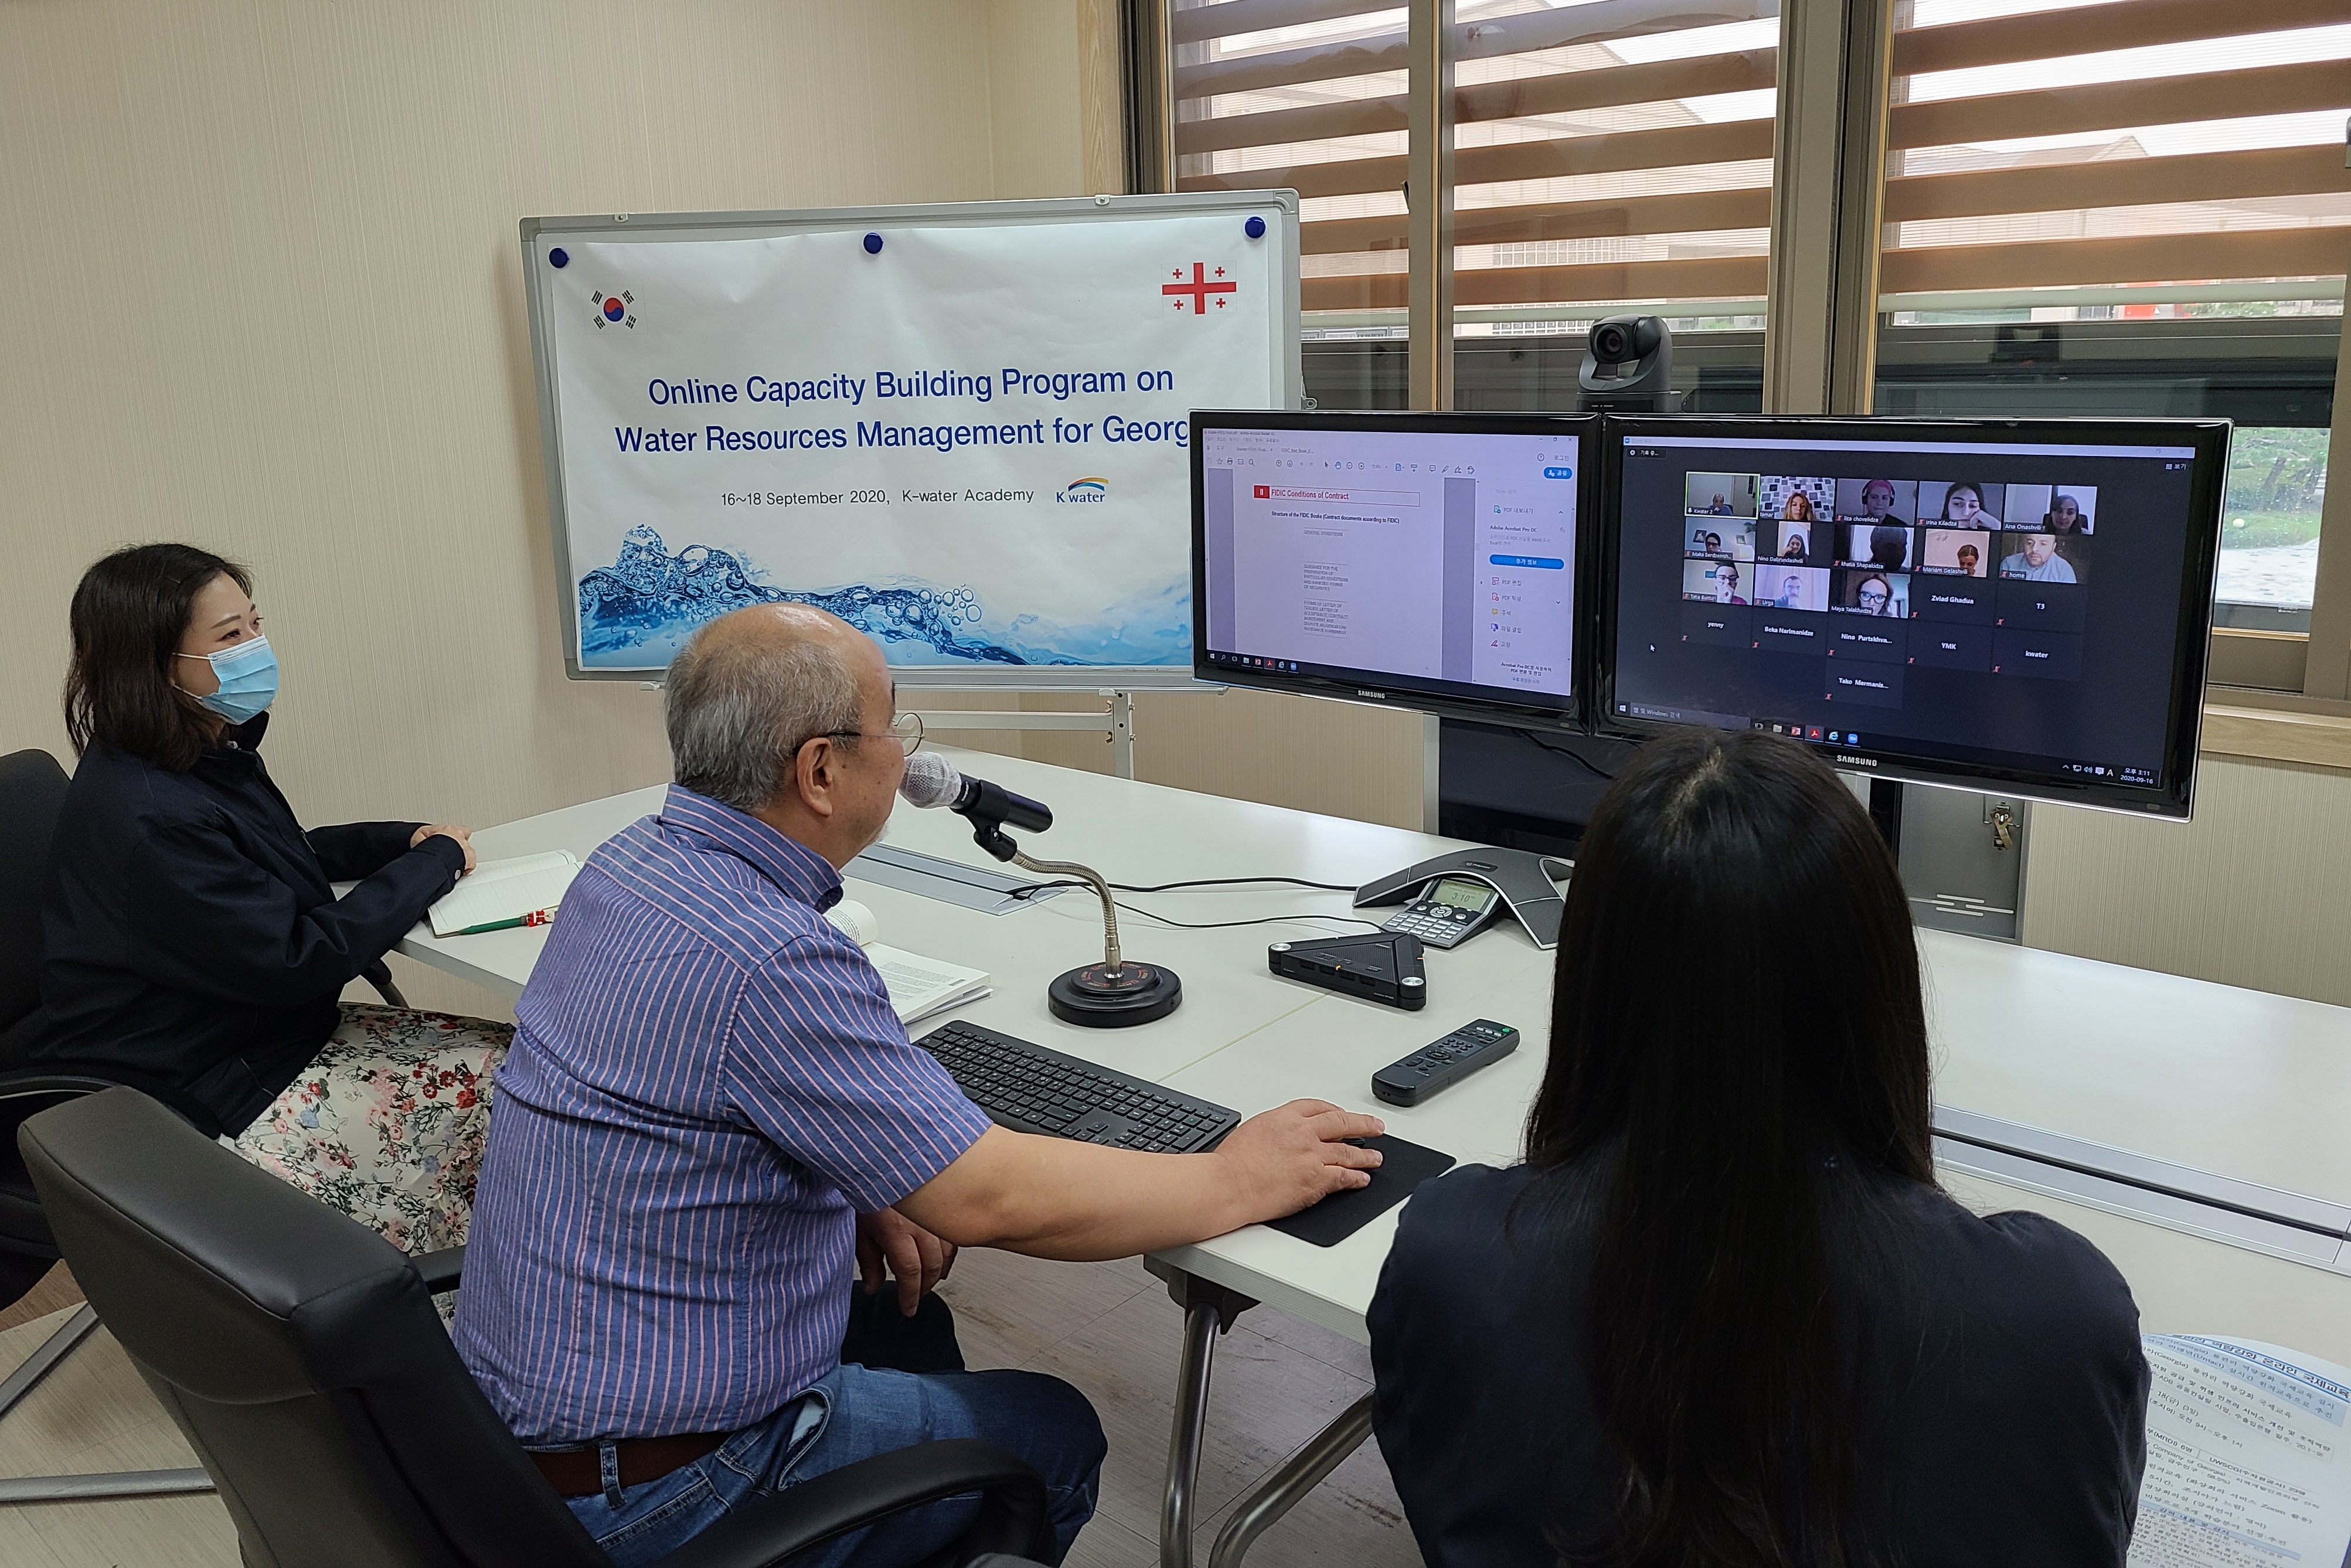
[
  {"x": 1439, "y": 562},
  {"x": 2011, "y": 604}
]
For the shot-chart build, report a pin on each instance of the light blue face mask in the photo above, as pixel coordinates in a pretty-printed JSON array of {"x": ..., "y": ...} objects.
[{"x": 247, "y": 674}]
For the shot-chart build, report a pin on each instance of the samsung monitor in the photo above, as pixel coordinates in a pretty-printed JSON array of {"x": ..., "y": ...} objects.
[
  {"x": 2017, "y": 606},
  {"x": 1428, "y": 560}
]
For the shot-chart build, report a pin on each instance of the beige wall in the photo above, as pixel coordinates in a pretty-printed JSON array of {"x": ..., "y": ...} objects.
[{"x": 2255, "y": 892}]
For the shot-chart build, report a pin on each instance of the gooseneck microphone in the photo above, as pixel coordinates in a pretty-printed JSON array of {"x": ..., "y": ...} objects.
[
  {"x": 1108, "y": 995},
  {"x": 932, "y": 780}
]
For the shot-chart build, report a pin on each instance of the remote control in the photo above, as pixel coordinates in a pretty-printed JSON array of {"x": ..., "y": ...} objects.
[{"x": 1479, "y": 1043}]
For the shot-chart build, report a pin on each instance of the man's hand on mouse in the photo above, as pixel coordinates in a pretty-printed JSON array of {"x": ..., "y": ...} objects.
[{"x": 1297, "y": 1154}]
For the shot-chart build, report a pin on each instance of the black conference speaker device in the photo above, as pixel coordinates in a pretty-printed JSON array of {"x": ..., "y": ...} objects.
[
  {"x": 1629, "y": 368},
  {"x": 1384, "y": 967},
  {"x": 1116, "y": 993}
]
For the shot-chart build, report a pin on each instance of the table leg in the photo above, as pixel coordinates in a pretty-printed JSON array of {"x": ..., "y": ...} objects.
[
  {"x": 1280, "y": 1492},
  {"x": 1208, "y": 1311}
]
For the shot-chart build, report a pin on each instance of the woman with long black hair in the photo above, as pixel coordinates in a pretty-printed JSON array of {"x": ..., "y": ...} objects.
[
  {"x": 1722, "y": 1316},
  {"x": 193, "y": 942}
]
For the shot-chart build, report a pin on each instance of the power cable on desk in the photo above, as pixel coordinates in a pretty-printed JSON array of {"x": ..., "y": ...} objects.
[
  {"x": 1035, "y": 888},
  {"x": 1260, "y": 920},
  {"x": 1198, "y": 882}
]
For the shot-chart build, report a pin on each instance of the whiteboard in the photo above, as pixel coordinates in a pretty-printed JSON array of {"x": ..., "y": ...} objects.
[{"x": 961, "y": 428}]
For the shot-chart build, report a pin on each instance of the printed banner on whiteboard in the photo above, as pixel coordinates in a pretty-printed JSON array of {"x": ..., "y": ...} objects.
[{"x": 971, "y": 442}]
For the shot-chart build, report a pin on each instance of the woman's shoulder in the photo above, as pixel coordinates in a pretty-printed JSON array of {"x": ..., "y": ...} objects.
[
  {"x": 121, "y": 798},
  {"x": 1468, "y": 1224},
  {"x": 2037, "y": 1275},
  {"x": 1480, "y": 1196},
  {"x": 1466, "y": 1261}
]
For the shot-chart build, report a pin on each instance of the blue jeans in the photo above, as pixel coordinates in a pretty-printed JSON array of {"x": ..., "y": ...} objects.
[{"x": 855, "y": 1413}]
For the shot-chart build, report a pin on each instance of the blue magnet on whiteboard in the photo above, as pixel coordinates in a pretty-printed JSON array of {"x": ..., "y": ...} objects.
[
  {"x": 1255, "y": 227},
  {"x": 559, "y": 257},
  {"x": 873, "y": 244}
]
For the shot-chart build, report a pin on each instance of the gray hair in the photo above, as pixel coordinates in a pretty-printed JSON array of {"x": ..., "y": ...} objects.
[{"x": 739, "y": 709}]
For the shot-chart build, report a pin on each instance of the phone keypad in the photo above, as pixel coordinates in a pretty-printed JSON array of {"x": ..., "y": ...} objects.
[{"x": 1437, "y": 925}]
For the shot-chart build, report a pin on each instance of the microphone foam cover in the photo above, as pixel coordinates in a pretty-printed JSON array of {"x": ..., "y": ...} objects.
[{"x": 930, "y": 780}]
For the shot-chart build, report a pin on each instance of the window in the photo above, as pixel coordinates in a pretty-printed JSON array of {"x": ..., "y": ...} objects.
[
  {"x": 1271, "y": 93},
  {"x": 2130, "y": 206},
  {"x": 1608, "y": 158}
]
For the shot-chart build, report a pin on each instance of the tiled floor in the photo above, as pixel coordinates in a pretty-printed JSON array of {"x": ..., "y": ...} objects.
[{"x": 1108, "y": 1328}]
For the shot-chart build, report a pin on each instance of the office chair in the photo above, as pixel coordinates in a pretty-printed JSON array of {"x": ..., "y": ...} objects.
[
  {"x": 300, "y": 1354},
  {"x": 32, "y": 793}
]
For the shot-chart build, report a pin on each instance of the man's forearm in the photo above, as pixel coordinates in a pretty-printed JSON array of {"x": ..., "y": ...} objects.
[{"x": 1052, "y": 1197}]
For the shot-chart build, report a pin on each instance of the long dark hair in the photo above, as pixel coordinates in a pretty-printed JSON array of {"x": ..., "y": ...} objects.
[
  {"x": 129, "y": 614},
  {"x": 1733, "y": 1123}
]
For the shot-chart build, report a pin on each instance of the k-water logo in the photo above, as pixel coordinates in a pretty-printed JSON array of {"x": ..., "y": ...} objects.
[
  {"x": 1082, "y": 492},
  {"x": 614, "y": 309}
]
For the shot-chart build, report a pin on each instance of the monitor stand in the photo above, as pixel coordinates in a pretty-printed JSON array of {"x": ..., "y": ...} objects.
[{"x": 1522, "y": 877}]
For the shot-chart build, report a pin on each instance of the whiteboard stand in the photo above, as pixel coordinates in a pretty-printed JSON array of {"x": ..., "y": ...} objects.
[{"x": 1117, "y": 722}]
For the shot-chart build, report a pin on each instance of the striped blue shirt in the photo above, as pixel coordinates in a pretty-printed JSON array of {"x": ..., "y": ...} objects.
[{"x": 706, "y": 1082}]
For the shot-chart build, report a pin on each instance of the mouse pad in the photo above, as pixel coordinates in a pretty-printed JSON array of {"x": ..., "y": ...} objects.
[{"x": 1342, "y": 1214}]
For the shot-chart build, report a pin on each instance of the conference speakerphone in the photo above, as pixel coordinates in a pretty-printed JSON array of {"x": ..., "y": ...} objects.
[{"x": 1382, "y": 968}]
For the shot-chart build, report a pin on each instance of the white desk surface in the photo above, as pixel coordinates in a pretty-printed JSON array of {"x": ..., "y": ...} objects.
[{"x": 2239, "y": 1083}]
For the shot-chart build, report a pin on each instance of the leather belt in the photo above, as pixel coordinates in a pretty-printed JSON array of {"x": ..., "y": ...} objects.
[{"x": 573, "y": 1472}]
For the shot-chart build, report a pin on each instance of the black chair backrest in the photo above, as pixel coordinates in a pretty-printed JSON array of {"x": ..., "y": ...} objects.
[
  {"x": 32, "y": 793},
  {"x": 298, "y": 1351}
]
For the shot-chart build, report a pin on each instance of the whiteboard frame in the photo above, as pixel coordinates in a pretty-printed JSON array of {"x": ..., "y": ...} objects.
[{"x": 1287, "y": 366}]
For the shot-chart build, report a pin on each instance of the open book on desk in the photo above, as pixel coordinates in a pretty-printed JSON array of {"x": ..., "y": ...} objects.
[
  {"x": 503, "y": 890},
  {"x": 919, "y": 987},
  {"x": 2248, "y": 1457}
]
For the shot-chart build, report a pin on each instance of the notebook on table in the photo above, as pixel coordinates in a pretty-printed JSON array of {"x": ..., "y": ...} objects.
[
  {"x": 504, "y": 890},
  {"x": 918, "y": 986}
]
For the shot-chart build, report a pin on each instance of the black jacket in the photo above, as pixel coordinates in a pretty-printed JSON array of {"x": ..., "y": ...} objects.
[
  {"x": 189, "y": 933},
  {"x": 2019, "y": 1433}
]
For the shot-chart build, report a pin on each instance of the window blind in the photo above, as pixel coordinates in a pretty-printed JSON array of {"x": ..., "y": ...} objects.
[
  {"x": 2033, "y": 145},
  {"x": 1604, "y": 150}
]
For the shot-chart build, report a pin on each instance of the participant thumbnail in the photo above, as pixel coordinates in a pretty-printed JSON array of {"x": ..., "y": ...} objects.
[
  {"x": 2073, "y": 509},
  {"x": 1956, "y": 552},
  {"x": 1962, "y": 503},
  {"x": 1792, "y": 587},
  {"x": 1863, "y": 591},
  {"x": 2035, "y": 558},
  {"x": 1794, "y": 539},
  {"x": 2028, "y": 506},
  {"x": 1874, "y": 544},
  {"x": 1718, "y": 581},
  {"x": 1793, "y": 499},
  {"x": 1724, "y": 541},
  {"x": 1878, "y": 500},
  {"x": 1718, "y": 495}
]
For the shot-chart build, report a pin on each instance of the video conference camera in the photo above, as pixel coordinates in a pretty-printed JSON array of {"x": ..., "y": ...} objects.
[{"x": 1628, "y": 365}]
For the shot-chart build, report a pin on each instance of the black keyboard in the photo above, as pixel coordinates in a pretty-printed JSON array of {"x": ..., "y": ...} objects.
[{"x": 1030, "y": 1089}]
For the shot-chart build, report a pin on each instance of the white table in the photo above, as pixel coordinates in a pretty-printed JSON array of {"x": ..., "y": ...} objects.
[{"x": 2206, "y": 1107}]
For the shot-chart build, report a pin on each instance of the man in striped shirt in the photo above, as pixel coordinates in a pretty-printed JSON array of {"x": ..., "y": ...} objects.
[{"x": 711, "y": 1118}]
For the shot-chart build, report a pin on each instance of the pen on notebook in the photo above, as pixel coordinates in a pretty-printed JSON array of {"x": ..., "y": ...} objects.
[{"x": 536, "y": 918}]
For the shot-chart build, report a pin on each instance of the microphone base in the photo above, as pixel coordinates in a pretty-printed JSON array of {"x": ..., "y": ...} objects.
[{"x": 1090, "y": 999}]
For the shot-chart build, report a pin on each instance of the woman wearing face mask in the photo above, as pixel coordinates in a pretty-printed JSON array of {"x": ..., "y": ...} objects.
[{"x": 192, "y": 945}]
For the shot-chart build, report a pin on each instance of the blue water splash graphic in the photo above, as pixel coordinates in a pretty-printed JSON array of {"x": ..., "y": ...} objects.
[{"x": 637, "y": 612}]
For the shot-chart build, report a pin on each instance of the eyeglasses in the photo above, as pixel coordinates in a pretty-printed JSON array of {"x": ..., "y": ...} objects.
[{"x": 907, "y": 729}]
